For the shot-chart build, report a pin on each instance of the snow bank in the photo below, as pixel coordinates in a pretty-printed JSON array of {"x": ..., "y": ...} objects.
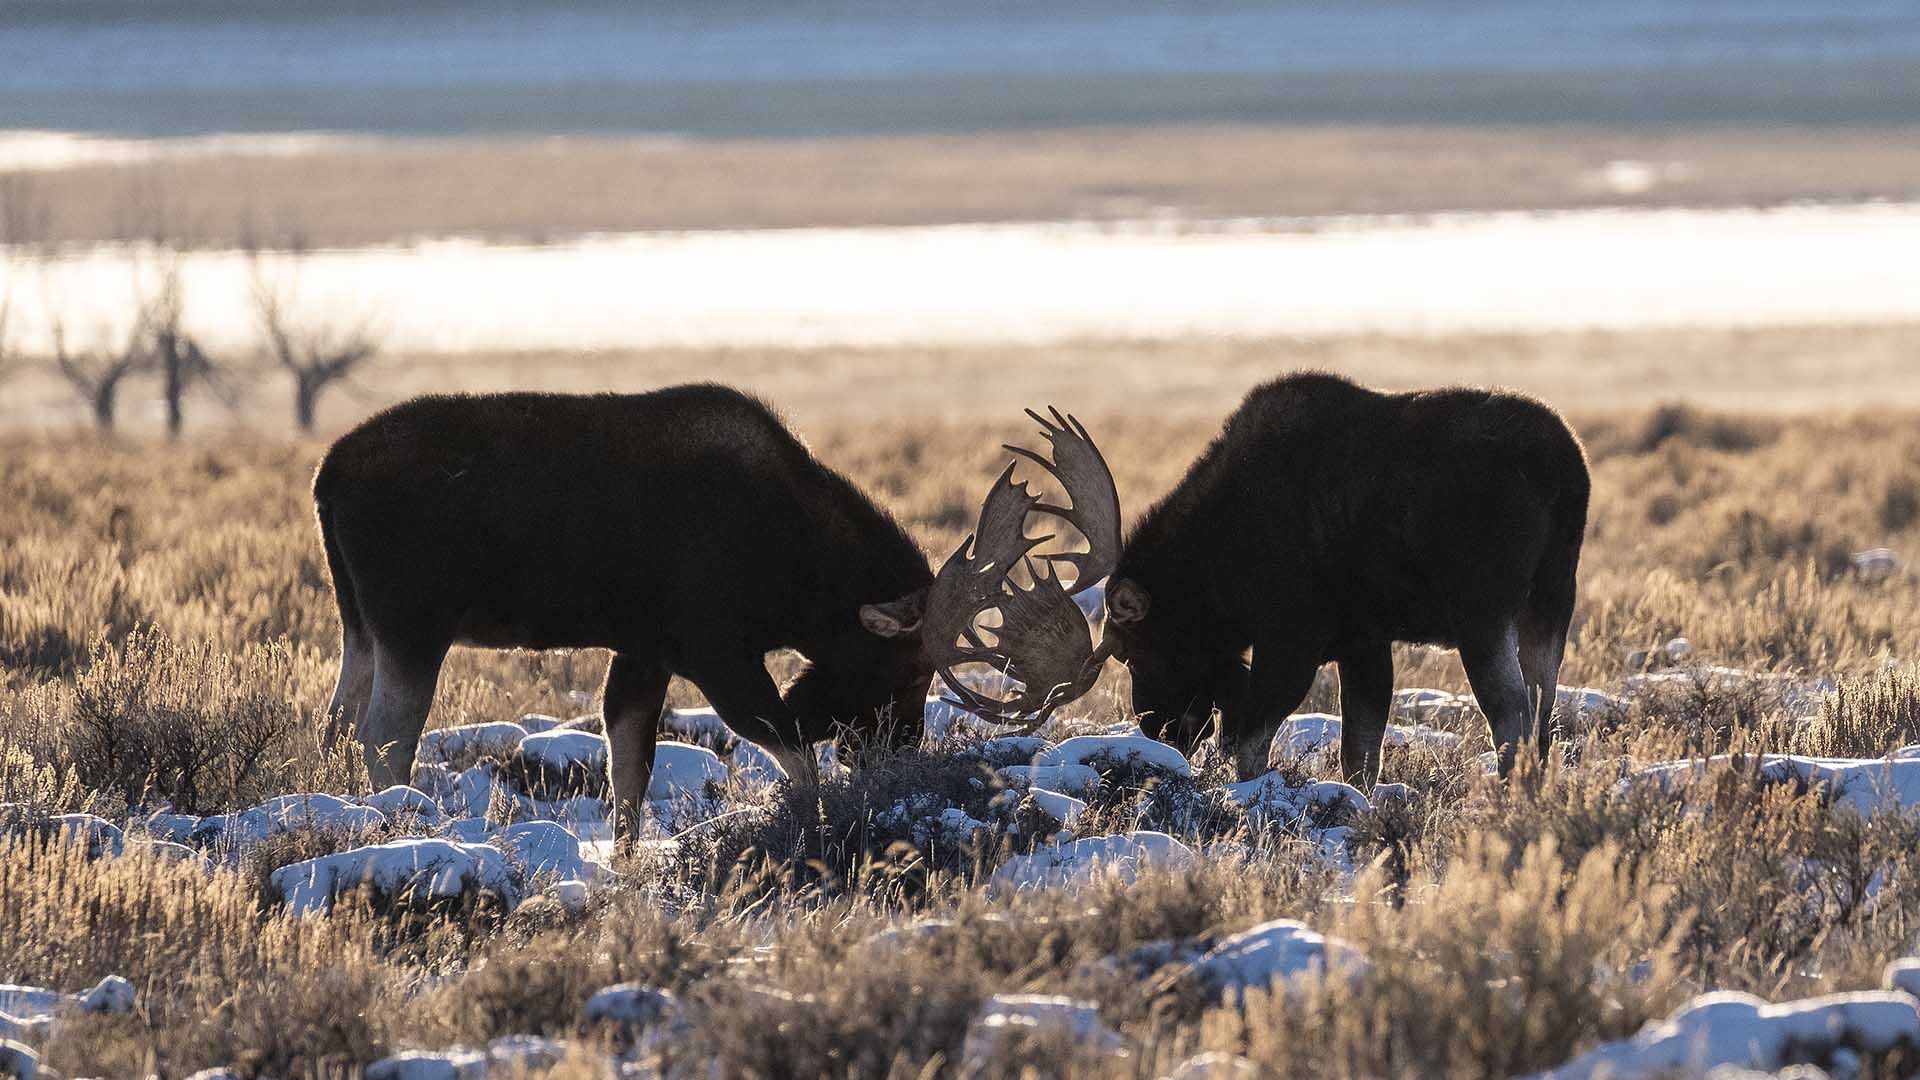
[
  {"x": 1742, "y": 1031},
  {"x": 1215, "y": 1065},
  {"x": 1116, "y": 753},
  {"x": 416, "y": 869},
  {"x": 1064, "y": 809},
  {"x": 1005, "y": 1017},
  {"x": 1786, "y": 691},
  {"x": 446, "y": 745},
  {"x": 682, "y": 769},
  {"x": 1074, "y": 778},
  {"x": 1273, "y": 953},
  {"x": 18, "y": 1060},
  {"x": 1308, "y": 734},
  {"x": 401, "y": 799},
  {"x": 1271, "y": 800},
  {"x": 631, "y": 1004},
  {"x": 1082, "y": 861},
  {"x": 32, "y": 1013},
  {"x": 283, "y": 814},
  {"x": 547, "y": 848},
  {"x": 1865, "y": 784},
  {"x": 514, "y": 1055}
]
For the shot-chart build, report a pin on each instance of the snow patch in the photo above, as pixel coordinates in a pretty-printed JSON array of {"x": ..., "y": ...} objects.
[
  {"x": 1083, "y": 861},
  {"x": 1115, "y": 753},
  {"x": 682, "y": 769},
  {"x": 1865, "y": 784},
  {"x": 1273, "y": 953},
  {"x": 444, "y": 745},
  {"x": 1007, "y": 1016},
  {"x": 1730, "y": 1029},
  {"x": 414, "y": 869}
]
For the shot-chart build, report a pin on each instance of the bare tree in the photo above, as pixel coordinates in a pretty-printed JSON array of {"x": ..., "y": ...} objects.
[
  {"x": 97, "y": 372},
  {"x": 317, "y": 353},
  {"x": 182, "y": 363}
]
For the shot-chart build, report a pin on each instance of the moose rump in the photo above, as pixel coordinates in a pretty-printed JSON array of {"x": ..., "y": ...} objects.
[{"x": 686, "y": 530}]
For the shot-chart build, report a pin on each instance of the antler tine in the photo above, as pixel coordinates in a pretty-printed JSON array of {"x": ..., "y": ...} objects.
[{"x": 1082, "y": 472}]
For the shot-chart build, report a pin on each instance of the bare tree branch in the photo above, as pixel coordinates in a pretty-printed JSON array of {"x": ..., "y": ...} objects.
[{"x": 316, "y": 353}]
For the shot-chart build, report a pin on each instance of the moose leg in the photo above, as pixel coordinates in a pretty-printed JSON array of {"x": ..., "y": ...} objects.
[
  {"x": 1282, "y": 674},
  {"x": 1492, "y": 660},
  {"x": 1366, "y": 697},
  {"x": 743, "y": 695},
  {"x": 636, "y": 692},
  {"x": 1541, "y": 648},
  {"x": 390, "y": 728},
  {"x": 351, "y": 693}
]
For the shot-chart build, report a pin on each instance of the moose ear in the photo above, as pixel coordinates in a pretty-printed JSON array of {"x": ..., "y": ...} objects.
[
  {"x": 895, "y": 618},
  {"x": 1127, "y": 601}
]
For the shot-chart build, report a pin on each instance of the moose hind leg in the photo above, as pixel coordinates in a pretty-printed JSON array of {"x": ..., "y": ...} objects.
[
  {"x": 352, "y": 693},
  {"x": 390, "y": 727},
  {"x": 635, "y": 695},
  {"x": 1492, "y": 660},
  {"x": 1541, "y": 649},
  {"x": 1366, "y": 698}
]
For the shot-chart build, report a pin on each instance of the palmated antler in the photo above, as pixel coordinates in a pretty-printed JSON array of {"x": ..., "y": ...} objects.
[{"x": 1043, "y": 640}]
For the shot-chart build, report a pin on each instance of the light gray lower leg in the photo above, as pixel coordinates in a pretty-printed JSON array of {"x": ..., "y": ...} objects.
[
  {"x": 1493, "y": 670},
  {"x": 1540, "y": 655},
  {"x": 636, "y": 692},
  {"x": 390, "y": 727},
  {"x": 354, "y": 690}
]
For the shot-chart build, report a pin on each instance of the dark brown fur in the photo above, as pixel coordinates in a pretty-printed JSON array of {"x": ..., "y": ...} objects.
[
  {"x": 1328, "y": 521},
  {"x": 686, "y": 530}
]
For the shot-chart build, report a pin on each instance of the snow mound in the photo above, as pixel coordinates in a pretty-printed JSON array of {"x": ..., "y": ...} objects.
[
  {"x": 514, "y": 1055},
  {"x": 631, "y": 1004},
  {"x": 563, "y": 748},
  {"x": 1270, "y": 954},
  {"x": 1584, "y": 703},
  {"x": 547, "y": 848},
  {"x": 1783, "y": 689},
  {"x": 1005, "y": 1017},
  {"x": 416, "y": 869},
  {"x": 1116, "y": 753},
  {"x": 1064, "y": 809},
  {"x": 1271, "y": 800},
  {"x": 1074, "y": 779},
  {"x": 1742, "y": 1031},
  {"x": 284, "y": 814},
  {"x": 697, "y": 725},
  {"x": 1309, "y": 734},
  {"x": 1010, "y": 750},
  {"x": 537, "y": 722},
  {"x": 750, "y": 761},
  {"x": 1215, "y": 1065},
  {"x": 18, "y": 1060},
  {"x": 1865, "y": 784},
  {"x": 401, "y": 799},
  {"x": 30, "y": 1013},
  {"x": 1424, "y": 705},
  {"x": 1083, "y": 861},
  {"x": 444, "y": 745},
  {"x": 682, "y": 769},
  {"x": 1904, "y": 975}
]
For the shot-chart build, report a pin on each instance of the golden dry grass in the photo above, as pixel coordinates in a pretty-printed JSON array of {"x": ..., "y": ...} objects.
[
  {"x": 1589, "y": 910},
  {"x": 541, "y": 189}
]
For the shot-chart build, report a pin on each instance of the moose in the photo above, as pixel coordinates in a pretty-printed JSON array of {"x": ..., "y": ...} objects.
[
  {"x": 687, "y": 531},
  {"x": 1324, "y": 523}
]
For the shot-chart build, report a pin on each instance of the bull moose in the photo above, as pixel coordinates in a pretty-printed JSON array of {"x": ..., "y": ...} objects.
[
  {"x": 687, "y": 530},
  {"x": 1325, "y": 523}
]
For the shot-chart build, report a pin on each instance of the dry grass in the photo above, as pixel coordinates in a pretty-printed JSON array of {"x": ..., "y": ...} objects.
[
  {"x": 542, "y": 189},
  {"x": 150, "y": 599}
]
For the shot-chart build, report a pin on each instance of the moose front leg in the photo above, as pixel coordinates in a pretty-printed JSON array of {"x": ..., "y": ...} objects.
[
  {"x": 1366, "y": 699},
  {"x": 636, "y": 693},
  {"x": 743, "y": 695},
  {"x": 1283, "y": 671}
]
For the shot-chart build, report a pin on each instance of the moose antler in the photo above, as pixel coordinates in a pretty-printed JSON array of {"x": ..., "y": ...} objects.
[{"x": 1043, "y": 640}]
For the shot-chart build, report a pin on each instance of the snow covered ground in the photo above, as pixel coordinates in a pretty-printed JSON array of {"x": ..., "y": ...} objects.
[{"x": 990, "y": 284}]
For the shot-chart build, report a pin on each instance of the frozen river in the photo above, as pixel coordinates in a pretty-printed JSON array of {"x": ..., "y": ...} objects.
[{"x": 1024, "y": 283}]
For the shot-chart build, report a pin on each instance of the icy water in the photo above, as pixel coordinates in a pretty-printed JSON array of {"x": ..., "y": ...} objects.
[
  {"x": 1038, "y": 283},
  {"x": 161, "y": 67}
]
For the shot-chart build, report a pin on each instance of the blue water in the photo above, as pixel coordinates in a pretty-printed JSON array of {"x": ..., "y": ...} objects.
[{"x": 792, "y": 67}]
